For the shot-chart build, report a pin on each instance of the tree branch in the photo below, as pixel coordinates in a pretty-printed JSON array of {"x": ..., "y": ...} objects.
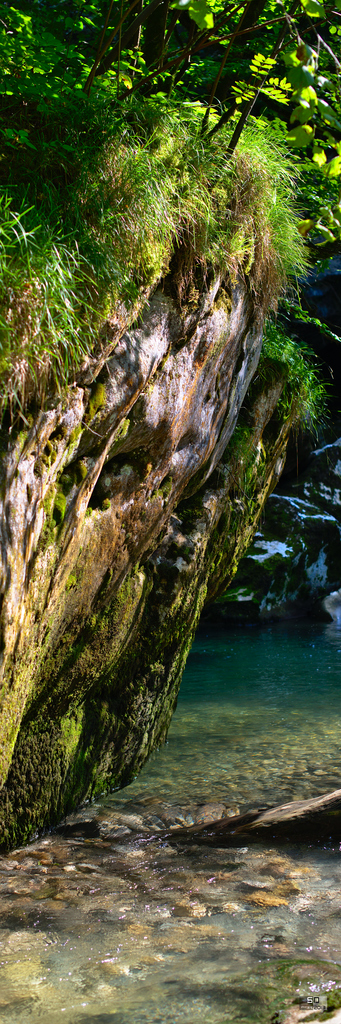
[
  {"x": 249, "y": 106},
  {"x": 128, "y": 34}
]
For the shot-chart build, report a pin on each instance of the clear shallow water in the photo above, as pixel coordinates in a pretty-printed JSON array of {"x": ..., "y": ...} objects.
[
  {"x": 103, "y": 925},
  {"x": 258, "y": 718}
]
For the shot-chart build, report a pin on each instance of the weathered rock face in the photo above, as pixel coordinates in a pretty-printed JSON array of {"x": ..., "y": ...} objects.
[
  {"x": 293, "y": 566},
  {"x": 110, "y": 541}
]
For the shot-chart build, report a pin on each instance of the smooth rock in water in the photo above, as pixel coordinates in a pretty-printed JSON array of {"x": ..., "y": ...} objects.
[
  {"x": 209, "y": 812},
  {"x": 332, "y": 605}
]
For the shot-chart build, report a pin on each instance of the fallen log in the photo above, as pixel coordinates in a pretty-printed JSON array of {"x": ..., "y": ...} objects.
[{"x": 299, "y": 821}]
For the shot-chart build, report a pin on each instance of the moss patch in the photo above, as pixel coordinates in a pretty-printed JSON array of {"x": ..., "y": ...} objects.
[
  {"x": 97, "y": 402},
  {"x": 75, "y": 434},
  {"x": 80, "y": 471},
  {"x": 59, "y": 508}
]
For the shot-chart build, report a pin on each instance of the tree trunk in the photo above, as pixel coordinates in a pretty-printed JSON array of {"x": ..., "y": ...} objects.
[{"x": 155, "y": 34}]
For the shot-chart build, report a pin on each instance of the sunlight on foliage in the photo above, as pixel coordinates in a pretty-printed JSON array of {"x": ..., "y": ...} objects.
[
  {"x": 130, "y": 191},
  {"x": 304, "y": 396}
]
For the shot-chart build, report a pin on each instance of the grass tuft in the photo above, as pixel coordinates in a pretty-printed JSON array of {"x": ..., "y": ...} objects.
[{"x": 104, "y": 203}]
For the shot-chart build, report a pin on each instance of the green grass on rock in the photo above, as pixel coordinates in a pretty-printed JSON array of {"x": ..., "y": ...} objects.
[{"x": 86, "y": 230}]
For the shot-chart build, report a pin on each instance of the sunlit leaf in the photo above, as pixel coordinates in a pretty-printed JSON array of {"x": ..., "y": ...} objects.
[
  {"x": 327, "y": 235},
  {"x": 333, "y": 169},
  {"x": 306, "y": 54},
  {"x": 262, "y": 63},
  {"x": 301, "y": 137},
  {"x": 300, "y": 77},
  {"x": 319, "y": 157},
  {"x": 126, "y": 80},
  {"x": 313, "y": 7},
  {"x": 277, "y": 90},
  {"x": 328, "y": 114},
  {"x": 291, "y": 59},
  {"x": 200, "y": 12},
  {"x": 304, "y": 226},
  {"x": 309, "y": 95},
  {"x": 302, "y": 113}
]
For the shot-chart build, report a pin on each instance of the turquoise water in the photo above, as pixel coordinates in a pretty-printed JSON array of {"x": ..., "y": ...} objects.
[
  {"x": 258, "y": 718},
  {"x": 102, "y": 924}
]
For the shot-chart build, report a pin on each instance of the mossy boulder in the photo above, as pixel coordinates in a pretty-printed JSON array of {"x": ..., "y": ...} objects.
[{"x": 111, "y": 550}]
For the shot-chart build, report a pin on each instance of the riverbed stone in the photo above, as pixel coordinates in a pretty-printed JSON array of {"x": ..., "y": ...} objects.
[{"x": 209, "y": 812}]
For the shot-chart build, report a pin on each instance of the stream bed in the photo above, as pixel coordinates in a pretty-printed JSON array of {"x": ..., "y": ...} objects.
[{"x": 113, "y": 919}]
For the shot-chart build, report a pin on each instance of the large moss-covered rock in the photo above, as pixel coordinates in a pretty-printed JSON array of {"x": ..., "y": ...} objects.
[
  {"x": 122, "y": 508},
  {"x": 293, "y": 566}
]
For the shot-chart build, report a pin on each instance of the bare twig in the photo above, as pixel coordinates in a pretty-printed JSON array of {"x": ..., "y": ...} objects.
[
  {"x": 119, "y": 54},
  {"x": 106, "y": 62},
  {"x": 101, "y": 50},
  {"x": 325, "y": 45},
  {"x": 227, "y": 51}
]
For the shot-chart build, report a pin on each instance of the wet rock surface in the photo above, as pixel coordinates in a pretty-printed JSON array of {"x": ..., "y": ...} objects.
[{"x": 293, "y": 567}]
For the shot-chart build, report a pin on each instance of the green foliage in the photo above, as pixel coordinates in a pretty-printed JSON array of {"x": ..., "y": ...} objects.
[
  {"x": 296, "y": 310},
  {"x": 137, "y": 184},
  {"x": 43, "y": 286},
  {"x": 288, "y": 363},
  {"x": 98, "y": 188},
  {"x": 52, "y": 51},
  {"x": 304, "y": 395},
  {"x": 199, "y": 10},
  {"x": 265, "y": 189},
  {"x": 44, "y": 51}
]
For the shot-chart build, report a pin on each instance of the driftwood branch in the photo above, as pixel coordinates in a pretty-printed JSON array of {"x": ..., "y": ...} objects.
[{"x": 297, "y": 821}]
